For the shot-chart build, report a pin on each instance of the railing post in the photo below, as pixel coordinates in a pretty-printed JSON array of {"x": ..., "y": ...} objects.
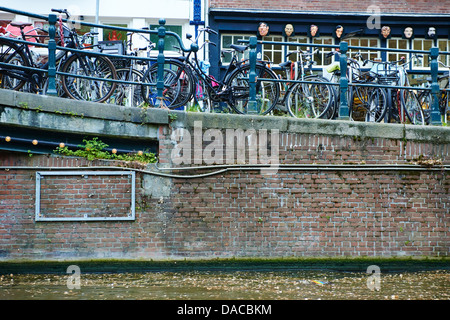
[
  {"x": 435, "y": 111},
  {"x": 252, "y": 105},
  {"x": 160, "y": 61},
  {"x": 344, "y": 113},
  {"x": 52, "y": 56}
]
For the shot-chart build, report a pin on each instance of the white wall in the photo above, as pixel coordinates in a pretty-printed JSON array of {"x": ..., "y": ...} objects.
[
  {"x": 134, "y": 13},
  {"x": 169, "y": 9}
]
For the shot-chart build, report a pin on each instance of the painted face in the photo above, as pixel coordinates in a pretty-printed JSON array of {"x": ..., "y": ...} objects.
[
  {"x": 431, "y": 32},
  {"x": 408, "y": 32},
  {"x": 339, "y": 31},
  {"x": 289, "y": 29},
  {"x": 385, "y": 31},
  {"x": 263, "y": 29},
  {"x": 314, "y": 30}
]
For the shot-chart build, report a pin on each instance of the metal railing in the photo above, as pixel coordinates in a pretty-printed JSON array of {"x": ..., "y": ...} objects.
[
  {"x": 343, "y": 84},
  {"x": 161, "y": 32}
]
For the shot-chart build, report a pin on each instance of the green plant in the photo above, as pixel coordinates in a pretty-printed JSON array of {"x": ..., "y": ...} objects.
[
  {"x": 94, "y": 149},
  {"x": 172, "y": 117}
]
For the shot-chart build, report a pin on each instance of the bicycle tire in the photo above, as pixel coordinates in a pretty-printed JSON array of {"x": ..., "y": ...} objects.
[
  {"x": 10, "y": 53},
  {"x": 127, "y": 94},
  {"x": 412, "y": 107},
  {"x": 267, "y": 92},
  {"x": 425, "y": 103},
  {"x": 445, "y": 106},
  {"x": 85, "y": 89},
  {"x": 367, "y": 104},
  {"x": 178, "y": 84},
  {"x": 202, "y": 99},
  {"x": 311, "y": 100}
]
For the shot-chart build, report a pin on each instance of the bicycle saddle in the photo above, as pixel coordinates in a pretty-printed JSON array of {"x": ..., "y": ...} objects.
[
  {"x": 180, "y": 58},
  {"x": 238, "y": 47},
  {"x": 286, "y": 64},
  {"x": 21, "y": 24}
]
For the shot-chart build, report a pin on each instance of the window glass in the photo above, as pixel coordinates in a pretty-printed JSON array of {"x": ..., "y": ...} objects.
[
  {"x": 366, "y": 54},
  {"x": 321, "y": 58},
  {"x": 273, "y": 52},
  {"x": 397, "y": 43},
  {"x": 227, "y": 40},
  {"x": 170, "y": 42}
]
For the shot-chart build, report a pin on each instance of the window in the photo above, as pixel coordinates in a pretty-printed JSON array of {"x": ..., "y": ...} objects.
[
  {"x": 321, "y": 57},
  {"x": 426, "y": 45},
  {"x": 295, "y": 48},
  {"x": 367, "y": 54},
  {"x": 397, "y": 43},
  {"x": 227, "y": 40},
  {"x": 444, "y": 45},
  {"x": 169, "y": 41},
  {"x": 273, "y": 52}
]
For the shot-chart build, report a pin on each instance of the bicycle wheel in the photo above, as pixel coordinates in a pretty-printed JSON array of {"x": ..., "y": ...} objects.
[
  {"x": 311, "y": 100},
  {"x": 376, "y": 105},
  {"x": 10, "y": 77},
  {"x": 267, "y": 92},
  {"x": 425, "y": 103},
  {"x": 357, "y": 102},
  {"x": 178, "y": 85},
  {"x": 202, "y": 101},
  {"x": 412, "y": 107},
  {"x": 87, "y": 89},
  {"x": 445, "y": 106},
  {"x": 127, "y": 94}
]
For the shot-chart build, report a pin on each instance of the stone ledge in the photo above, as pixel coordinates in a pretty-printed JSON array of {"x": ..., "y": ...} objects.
[{"x": 127, "y": 120}]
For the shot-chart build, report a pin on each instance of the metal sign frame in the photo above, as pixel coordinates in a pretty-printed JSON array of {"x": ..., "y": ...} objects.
[{"x": 40, "y": 218}]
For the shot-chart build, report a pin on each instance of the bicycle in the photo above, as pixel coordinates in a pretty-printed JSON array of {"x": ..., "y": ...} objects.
[
  {"x": 425, "y": 97},
  {"x": 403, "y": 105},
  {"x": 131, "y": 73},
  {"x": 16, "y": 58},
  {"x": 19, "y": 67},
  {"x": 312, "y": 99},
  {"x": 364, "y": 103},
  {"x": 232, "y": 89}
]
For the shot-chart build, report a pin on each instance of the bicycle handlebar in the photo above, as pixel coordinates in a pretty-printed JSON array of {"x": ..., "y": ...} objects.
[
  {"x": 62, "y": 11},
  {"x": 302, "y": 52}
]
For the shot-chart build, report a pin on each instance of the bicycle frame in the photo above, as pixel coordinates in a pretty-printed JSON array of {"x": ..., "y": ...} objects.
[
  {"x": 34, "y": 77},
  {"x": 215, "y": 87}
]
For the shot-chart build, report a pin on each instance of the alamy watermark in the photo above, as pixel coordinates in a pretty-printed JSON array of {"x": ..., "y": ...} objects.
[
  {"x": 74, "y": 280},
  {"x": 374, "y": 21},
  {"x": 235, "y": 146},
  {"x": 374, "y": 280}
]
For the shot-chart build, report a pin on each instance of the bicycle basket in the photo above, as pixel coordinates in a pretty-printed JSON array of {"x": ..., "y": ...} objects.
[
  {"x": 112, "y": 47},
  {"x": 120, "y": 63},
  {"x": 386, "y": 73}
]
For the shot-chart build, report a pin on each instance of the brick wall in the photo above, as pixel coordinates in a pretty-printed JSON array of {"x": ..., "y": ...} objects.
[
  {"x": 351, "y": 208},
  {"x": 396, "y": 6}
]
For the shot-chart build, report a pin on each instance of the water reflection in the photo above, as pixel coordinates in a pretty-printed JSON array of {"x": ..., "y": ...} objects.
[{"x": 215, "y": 285}]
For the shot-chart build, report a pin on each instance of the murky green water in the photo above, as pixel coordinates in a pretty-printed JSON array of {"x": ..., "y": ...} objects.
[{"x": 220, "y": 285}]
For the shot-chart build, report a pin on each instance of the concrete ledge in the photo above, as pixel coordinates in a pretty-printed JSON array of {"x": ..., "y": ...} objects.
[
  {"x": 342, "y": 128},
  {"x": 103, "y": 111},
  {"x": 25, "y": 109}
]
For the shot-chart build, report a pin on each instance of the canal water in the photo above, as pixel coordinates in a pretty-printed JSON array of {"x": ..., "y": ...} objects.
[{"x": 228, "y": 285}]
